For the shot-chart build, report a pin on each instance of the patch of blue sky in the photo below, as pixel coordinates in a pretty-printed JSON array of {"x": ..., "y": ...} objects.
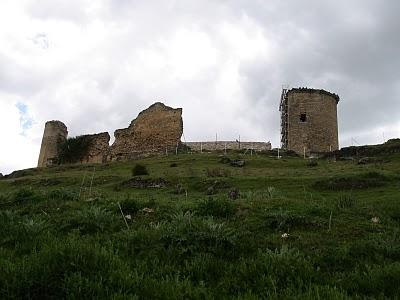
[{"x": 25, "y": 119}]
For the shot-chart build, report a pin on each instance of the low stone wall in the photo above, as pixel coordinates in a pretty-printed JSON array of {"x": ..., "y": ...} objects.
[{"x": 228, "y": 145}]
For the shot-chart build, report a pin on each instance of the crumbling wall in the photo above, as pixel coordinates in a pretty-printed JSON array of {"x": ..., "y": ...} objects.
[
  {"x": 156, "y": 130},
  {"x": 55, "y": 133},
  {"x": 98, "y": 149},
  {"x": 228, "y": 145}
]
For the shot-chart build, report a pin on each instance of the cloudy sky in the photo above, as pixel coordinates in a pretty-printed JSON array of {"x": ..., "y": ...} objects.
[{"x": 96, "y": 64}]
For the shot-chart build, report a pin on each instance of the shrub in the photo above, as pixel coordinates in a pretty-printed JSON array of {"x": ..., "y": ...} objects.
[
  {"x": 225, "y": 160},
  {"x": 24, "y": 195},
  {"x": 217, "y": 172},
  {"x": 139, "y": 170},
  {"x": 234, "y": 194},
  {"x": 173, "y": 165},
  {"x": 216, "y": 207},
  {"x": 286, "y": 220},
  {"x": 363, "y": 181},
  {"x": 129, "y": 206},
  {"x": 74, "y": 149},
  {"x": 312, "y": 163}
]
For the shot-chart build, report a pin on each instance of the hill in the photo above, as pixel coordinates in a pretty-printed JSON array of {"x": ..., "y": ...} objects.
[{"x": 203, "y": 226}]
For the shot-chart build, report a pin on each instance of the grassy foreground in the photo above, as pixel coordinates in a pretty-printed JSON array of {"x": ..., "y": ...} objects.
[{"x": 196, "y": 227}]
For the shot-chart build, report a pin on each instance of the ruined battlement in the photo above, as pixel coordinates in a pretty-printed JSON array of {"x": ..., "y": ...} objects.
[{"x": 315, "y": 91}]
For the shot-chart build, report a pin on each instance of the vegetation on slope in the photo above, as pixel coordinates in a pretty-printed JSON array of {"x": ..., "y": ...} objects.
[
  {"x": 74, "y": 149},
  {"x": 197, "y": 228}
]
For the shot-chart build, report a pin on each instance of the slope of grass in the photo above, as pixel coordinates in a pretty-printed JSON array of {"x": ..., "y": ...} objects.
[{"x": 329, "y": 230}]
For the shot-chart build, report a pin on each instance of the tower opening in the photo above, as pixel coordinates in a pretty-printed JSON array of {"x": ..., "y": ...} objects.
[{"x": 303, "y": 117}]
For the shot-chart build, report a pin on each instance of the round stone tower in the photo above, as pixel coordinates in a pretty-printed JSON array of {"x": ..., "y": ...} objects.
[
  {"x": 55, "y": 133},
  {"x": 309, "y": 120}
]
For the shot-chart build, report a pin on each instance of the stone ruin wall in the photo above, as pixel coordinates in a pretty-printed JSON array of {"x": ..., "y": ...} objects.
[
  {"x": 228, "y": 145},
  {"x": 158, "y": 129},
  {"x": 319, "y": 133},
  {"x": 99, "y": 148},
  {"x": 155, "y": 130}
]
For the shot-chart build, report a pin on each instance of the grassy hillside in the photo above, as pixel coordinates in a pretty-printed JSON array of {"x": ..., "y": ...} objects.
[{"x": 197, "y": 227}]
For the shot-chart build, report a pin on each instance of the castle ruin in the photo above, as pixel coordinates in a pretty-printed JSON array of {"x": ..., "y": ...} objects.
[
  {"x": 309, "y": 121},
  {"x": 308, "y": 125},
  {"x": 156, "y": 130}
]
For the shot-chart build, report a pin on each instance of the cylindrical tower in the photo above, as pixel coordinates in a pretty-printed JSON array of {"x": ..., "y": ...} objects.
[
  {"x": 310, "y": 121},
  {"x": 55, "y": 133}
]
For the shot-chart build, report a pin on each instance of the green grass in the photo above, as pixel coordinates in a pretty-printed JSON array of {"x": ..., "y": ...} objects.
[{"x": 329, "y": 230}]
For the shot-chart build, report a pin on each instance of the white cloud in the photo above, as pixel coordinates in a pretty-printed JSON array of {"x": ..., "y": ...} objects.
[
  {"x": 18, "y": 150},
  {"x": 96, "y": 64}
]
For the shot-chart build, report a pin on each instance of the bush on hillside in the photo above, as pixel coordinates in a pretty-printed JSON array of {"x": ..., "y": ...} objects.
[
  {"x": 74, "y": 149},
  {"x": 139, "y": 170}
]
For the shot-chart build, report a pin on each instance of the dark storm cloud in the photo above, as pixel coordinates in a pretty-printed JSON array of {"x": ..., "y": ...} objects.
[{"x": 348, "y": 48}]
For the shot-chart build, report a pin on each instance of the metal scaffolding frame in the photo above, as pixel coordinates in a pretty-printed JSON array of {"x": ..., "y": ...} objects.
[{"x": 283, "y": 108}]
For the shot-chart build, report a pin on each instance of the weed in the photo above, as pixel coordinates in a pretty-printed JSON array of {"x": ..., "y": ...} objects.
[
  {"x": 130, "y": 206},
  {"x": 217, "y": 172},
  {"x": 92, "y": 219},
  {"x": 63, "y": 194},
  {"x": 24, "y": 195},
  {"x": 312, "y": 163},
  {"x": 345, "y": 201},
  {"x": 216, "y": 207}
]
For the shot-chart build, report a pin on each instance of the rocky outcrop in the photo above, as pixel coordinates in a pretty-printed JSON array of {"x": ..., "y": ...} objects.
[{"x": 156, "y": 130}]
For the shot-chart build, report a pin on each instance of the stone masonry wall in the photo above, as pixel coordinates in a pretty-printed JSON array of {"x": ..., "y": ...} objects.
[
  {"x": 98, "y": 150},
  {"x": 55, "y": 133},
  {"x": 230, "y": 145},
  {"x": 319, "y": 131},
  {"x": 155, "y": 130}
]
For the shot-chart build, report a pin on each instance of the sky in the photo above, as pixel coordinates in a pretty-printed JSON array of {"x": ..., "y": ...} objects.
[{"x": 96, "y": 64}]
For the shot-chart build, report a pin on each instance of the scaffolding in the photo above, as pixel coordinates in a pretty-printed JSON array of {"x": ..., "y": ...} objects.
[{"x": 283, "y": 108}]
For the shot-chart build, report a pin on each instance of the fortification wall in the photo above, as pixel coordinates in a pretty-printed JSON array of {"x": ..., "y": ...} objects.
[
  {"x": 312, "y": 121},
  {"x": 229, "y": 145},
  {"x": 155, "y": 130},
  {"x": 99, "y": 148},
  {"x": 55, "y": 133}
]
